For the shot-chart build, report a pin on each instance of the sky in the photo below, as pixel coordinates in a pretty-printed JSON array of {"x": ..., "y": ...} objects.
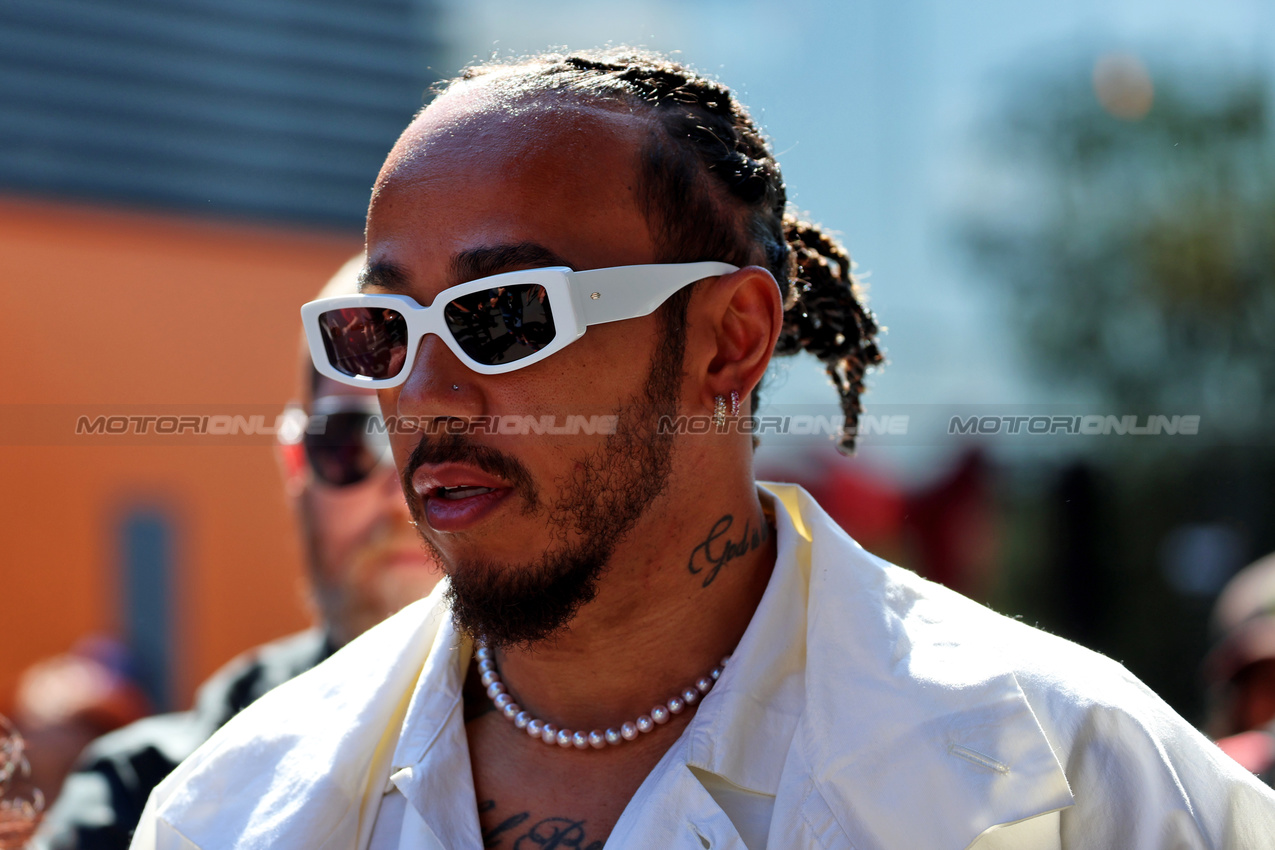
[{"x": 875, "y": 108}]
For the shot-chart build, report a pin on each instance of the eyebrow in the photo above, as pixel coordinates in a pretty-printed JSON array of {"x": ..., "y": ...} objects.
[
  {"x": 487, "y": 261},
  {"x": 383, "y": 276},
  {"x": 465, "y": 266}
]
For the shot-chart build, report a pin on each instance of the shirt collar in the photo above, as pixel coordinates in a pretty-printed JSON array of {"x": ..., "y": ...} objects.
[
  {"x": 760, "y": 689},
  {"x": 849, "y": 663},
  {"x": 436, "y": 696},
  {"x": 277, "y": 775},
  {"x": 431, "y": 764}
]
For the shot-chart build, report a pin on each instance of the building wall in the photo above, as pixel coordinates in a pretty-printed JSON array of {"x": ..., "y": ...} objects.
[
  {"x": 117, "y": 311},
  {"x": 276, "y": 109}
]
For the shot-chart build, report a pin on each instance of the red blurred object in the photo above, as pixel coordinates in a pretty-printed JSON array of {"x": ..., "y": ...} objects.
[
  {"x": 952, "y": 528},
  {"x": 869, "y": 508},
  {"x": 66, "y": 701},
  {"x": 1254, "y": 750},
  {"x": 946, "y": 530}
]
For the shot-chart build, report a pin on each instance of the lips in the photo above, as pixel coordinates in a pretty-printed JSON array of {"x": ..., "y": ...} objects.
[{"x": 457, "y": 496}]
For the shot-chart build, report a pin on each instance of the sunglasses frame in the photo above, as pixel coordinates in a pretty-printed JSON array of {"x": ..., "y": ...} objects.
[
  {"x": 298, "y": 425},
  {"x": 576, "y": 299}
]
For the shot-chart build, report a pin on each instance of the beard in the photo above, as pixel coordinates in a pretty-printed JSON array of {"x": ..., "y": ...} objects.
[{"x": 610, "y": 489}]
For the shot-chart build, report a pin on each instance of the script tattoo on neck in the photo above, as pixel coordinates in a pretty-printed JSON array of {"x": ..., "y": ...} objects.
[
  {"x": 546, "y": 834},
  {"x": 714, "y": 553}
]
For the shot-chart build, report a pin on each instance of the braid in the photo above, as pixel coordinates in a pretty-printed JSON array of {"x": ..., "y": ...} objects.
[
  {"x": 712, "y": 190},
  {"x": 829, "y": 319}
]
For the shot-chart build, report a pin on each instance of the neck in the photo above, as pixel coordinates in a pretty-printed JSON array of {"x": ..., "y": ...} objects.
[{"x": 679, "y": 593}]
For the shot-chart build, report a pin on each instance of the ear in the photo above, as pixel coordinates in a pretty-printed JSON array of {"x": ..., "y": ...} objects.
[
  {"x": 292, "y": 466},
  {"x": 739, "y": 317}
]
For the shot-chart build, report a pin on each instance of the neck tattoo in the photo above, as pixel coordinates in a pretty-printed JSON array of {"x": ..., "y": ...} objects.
[{"x": 597, "y": 739}]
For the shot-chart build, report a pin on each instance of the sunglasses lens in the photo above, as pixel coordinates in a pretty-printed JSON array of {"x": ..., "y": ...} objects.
[
  {"x": 365, "y": 342},
  {"x": 501, "y": 325},
  {"x": 348, "y": 450}
]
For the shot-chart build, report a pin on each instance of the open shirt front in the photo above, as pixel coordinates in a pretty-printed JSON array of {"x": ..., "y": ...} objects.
[{"x": 864, "y": 708}]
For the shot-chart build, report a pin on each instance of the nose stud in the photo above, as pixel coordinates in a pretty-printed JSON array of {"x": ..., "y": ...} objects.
[{"x": 456, "y": 387}]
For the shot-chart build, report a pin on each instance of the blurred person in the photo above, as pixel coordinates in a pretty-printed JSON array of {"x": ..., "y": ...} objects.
[
  {"x": 64, "y": 702},
  {"x": 637, "y": 645},
  {"x": 1240, "y": 669},
  {"x": 364, "y": 562}
]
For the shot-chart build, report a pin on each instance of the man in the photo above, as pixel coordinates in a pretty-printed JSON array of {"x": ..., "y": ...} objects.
[
  {"x": 636, "y": 646},
  {"x": 365, "y": 563},
  {"x": 65, "y": 702},
  {"x": 1240, "y": 669}
]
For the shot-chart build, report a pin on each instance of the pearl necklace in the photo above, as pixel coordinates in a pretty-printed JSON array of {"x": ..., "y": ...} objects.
[{"x": 597, "y": 739}]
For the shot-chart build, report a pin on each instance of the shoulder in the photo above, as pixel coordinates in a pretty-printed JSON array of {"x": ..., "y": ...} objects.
[
  {"x": 892, "y": 614},
  {"x": 331, "y": 686},
  {"x": 930, "y": 636},
  {"x": 1254, "y": 750},
  {"x": 956, "y": 641},
  {"x": 103, "y": 798},
  {"x": 950, "y": 680},
  {"x": 101, "y": 801},
  {"x": 245, "y": 678},
  {"x": 238, "y": 683},
  {"x": 303, "y": 748}
]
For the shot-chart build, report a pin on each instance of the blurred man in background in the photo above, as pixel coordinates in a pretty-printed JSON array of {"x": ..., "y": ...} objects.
[
  {"x": 364, "y": 563},
  {"x": 65, "y": 702},
  {"x": 1240, "y": 670}
]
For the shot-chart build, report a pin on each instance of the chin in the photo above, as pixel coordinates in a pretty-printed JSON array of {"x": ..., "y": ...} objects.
[{"x": 524, "y": 603}]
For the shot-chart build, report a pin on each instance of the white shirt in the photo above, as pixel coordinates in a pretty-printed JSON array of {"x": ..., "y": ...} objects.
[
  {"x": 729, "y": 759},
  {"x": 864, "y": 708}
]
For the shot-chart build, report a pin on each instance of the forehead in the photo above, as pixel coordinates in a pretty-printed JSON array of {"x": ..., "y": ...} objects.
[
  {"x": 476, "y": 172},
  {"x": 480, "y": 123}
]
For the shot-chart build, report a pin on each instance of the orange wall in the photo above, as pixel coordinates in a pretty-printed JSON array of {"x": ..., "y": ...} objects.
[{"x": 109, "y": 310}]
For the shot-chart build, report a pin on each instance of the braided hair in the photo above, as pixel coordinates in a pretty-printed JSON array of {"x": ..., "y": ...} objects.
[{"x": 710, "y": 189}]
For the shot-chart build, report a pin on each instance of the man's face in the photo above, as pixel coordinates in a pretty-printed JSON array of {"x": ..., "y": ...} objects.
[
  {"x": 475, "y": 189},
  {"x": 366, "y": 561}
]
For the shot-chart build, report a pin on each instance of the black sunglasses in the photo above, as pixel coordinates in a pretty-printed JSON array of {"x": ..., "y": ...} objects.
[{"x": 345, "y": 439}]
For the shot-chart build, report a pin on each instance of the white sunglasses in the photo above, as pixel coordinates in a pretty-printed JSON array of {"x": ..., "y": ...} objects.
[{"x": 493, "y": 325}]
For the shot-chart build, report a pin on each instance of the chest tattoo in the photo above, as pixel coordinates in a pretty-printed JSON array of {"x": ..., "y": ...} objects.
[{"x": 554, "y": 833}]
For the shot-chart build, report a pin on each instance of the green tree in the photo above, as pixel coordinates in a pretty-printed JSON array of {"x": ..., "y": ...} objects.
[
  {"x": 1141, "y": 263},
  {"x": 1136, "y": 245}
]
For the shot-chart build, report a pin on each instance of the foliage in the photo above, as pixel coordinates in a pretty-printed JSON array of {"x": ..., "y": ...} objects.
[{"x": 1140, "y": 254}]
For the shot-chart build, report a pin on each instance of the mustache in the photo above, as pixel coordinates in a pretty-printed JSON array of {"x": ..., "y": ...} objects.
[{"x": 459, "y": 448}]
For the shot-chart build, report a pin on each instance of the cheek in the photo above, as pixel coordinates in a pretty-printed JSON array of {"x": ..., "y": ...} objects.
[
  {"x": 402, "y": 439},
  {"x": 602, "y": 369},
  {"x": 340, "y": 521},
  {"x": 401, "y": 445}
]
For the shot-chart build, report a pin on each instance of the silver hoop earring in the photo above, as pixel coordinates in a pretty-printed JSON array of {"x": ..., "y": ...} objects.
[{"x": 719, "y": 411}]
